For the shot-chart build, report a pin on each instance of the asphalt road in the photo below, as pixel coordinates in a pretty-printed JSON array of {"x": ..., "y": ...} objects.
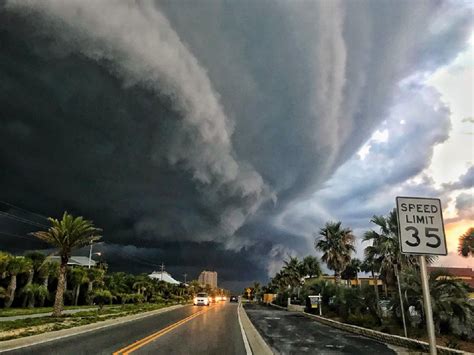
[
  {"x": 187, "y": 330},
  {"x": 292, "y": 333}
]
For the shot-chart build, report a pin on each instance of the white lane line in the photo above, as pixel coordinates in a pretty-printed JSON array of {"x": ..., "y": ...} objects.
[{"x": 244, "y": 336}]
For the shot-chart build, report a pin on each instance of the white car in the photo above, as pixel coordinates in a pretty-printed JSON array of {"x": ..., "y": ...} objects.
[{"x": 201, "y": 299}]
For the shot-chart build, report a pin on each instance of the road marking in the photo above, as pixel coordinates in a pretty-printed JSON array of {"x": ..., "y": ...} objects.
[
  {"x": 86, "y": 328},
  {"x": 148, "y": 339},
  {"x": 244, "y": 336}
]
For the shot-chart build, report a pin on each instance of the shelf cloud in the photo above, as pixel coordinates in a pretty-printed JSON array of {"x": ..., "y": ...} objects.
[{"x": 199, "y": 128}]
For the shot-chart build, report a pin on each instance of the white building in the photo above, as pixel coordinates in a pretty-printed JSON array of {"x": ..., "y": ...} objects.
[
  {"x": 208, "y": 278},
  {"x": 76, "y": 261},
  {"x": 163, "y": 276}
]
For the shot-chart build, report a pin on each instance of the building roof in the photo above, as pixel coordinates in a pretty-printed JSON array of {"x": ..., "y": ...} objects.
[
  {"x": 76, "y": 260},
  {"x": 163, "y": 276}
]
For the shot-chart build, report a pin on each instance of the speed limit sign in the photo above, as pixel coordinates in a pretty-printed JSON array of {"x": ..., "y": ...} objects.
[{"x": 420, "y": 226}]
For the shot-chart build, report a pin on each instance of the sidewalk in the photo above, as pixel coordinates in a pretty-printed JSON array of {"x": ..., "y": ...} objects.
[{"x": 38, "y": 315}]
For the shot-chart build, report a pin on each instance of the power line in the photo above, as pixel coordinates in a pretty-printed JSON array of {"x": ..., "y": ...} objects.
[
  {"x": 23, "y": 237},
  {"x": 23, "y": 209},
  {"x": 134, "y": 258},
  {"x": 23, "y": 220}
]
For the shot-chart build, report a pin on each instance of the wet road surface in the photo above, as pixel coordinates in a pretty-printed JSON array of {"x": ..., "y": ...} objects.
[
  {"x": 187, "y": 330},
  {"x": 292, "y": 333}
]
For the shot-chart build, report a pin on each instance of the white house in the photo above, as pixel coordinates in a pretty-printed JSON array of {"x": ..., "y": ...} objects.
[
  {"x": 163, "y": 276},
  {"x": 76, "y": 261}
]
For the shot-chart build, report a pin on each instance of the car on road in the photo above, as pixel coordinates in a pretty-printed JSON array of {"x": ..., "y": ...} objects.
[
  {"x": 233, "y": 299},
  {"x": 201, "y": 299}
]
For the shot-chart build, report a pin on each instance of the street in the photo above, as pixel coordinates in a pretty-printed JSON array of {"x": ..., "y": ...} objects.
[
  {"x": 292, "y": 333},
  {"x": 191, "y": 329}
]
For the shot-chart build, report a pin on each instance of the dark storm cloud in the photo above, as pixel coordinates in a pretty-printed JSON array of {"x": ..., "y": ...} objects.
[
  {"x": 186, "y": 131},
  {"x": 464, "y": 205},
  {"x": 465, "y": 181}
]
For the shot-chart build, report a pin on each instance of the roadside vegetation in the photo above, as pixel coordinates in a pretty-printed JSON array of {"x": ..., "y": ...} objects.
[
  {"x": 34, "y": 283},
  {"x": 373, "y": 305},
  {"x": 30, "y": 326}
]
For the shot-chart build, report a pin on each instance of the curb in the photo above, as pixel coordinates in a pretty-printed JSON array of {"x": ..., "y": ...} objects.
[
  {"x": 277, "y": 306},
  {"x": 19, "y": 343},
  {"x": 257, "y": 343},
  {"x": 383, "y": 337}
]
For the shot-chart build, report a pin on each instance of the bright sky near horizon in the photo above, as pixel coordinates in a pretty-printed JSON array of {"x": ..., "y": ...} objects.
[{"x": 452, "y": 158}]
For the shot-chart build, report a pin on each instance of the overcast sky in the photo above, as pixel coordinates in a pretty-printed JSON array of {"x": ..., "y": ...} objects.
[{"x": 223, "y": 135}]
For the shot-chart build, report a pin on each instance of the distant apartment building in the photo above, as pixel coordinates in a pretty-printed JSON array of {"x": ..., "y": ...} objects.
[{"x": 208, "y": 278}]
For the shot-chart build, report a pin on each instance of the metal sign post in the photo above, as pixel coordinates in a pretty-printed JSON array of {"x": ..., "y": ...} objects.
[
  {"x": 320, "y": 301},
  {"x": 421, "y": 232},
  {"x": 427, "y": 304}
]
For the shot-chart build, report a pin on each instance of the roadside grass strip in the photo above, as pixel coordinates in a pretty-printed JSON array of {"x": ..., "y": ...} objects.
[{"x": 142, "y": 342}]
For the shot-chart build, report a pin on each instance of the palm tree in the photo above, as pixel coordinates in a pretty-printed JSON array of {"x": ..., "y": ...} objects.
[
  {"x": 194, "y": 287},
  {"x": 37, "y": 259},
  {"x": 94, "y": 276},
  {"x": 466, "y": 243},
  {"x": 17, "y": 265},
  {"x": 385, "y": 249},
  {"x": 4, "y": 260},
  {"x": 67, "y": 234},
  {"x": 256, "y": 289},
  {"x": 47, "y": 270},
  {"x": 34, "y": 291},
  {"x": 77, "y": 278},
  {"x": 449, "y": 297},
  {"x": 352, "y": 270},
  {"x": 337, "y": 244},
  {"x": 370, "y": 265},
  {"x": 310, "y": 267},
  {"x": 292, "y": 272}
]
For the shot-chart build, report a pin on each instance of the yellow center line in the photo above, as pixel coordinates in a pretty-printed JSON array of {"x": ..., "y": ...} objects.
[{"x": 139, "y": 343}]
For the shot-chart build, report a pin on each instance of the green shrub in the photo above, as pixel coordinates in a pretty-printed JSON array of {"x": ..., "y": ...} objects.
[
  {"x": 362, "y": 320},
  {"x": 102, "y": 297}
]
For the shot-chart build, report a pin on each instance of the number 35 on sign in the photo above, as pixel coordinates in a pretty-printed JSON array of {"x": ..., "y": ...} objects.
[{"x": 420, "y": 226}]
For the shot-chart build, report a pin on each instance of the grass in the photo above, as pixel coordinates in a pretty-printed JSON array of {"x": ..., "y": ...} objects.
[
  {"x": 9, "y": 312},
  {"x": 25, "y": 327}
]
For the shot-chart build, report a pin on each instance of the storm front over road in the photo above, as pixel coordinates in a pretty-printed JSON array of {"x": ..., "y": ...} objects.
[{"x": 221, "y": 135}]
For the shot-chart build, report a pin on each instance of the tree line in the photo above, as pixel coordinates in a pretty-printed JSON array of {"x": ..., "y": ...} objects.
[
  {"x": 364, "y": 305},
  {"x": 35, "y": 280}
]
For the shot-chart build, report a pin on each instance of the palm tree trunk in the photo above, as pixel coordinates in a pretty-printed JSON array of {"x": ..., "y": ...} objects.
[
  {"x": 45, "y": 283},
  {"x": 90, "y": 284},
  {"x": 76, "y": 295},
  {"x": 11, "y": 292},
  {"x": 337, "y": 276},
  {"x": 27, "y": 296},
  {"x": 31, "y": 301},
  {"x": 377, "y": 296},
  {"x": 59, "y": 298}
]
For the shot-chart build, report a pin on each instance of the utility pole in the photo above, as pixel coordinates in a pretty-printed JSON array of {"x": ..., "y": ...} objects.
[
  {"x": 162, "y": 267},
  {"x": 401, "y": 300},
  {"x": 90, "y": 256},
  {"x": 185, "y": 277}
]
